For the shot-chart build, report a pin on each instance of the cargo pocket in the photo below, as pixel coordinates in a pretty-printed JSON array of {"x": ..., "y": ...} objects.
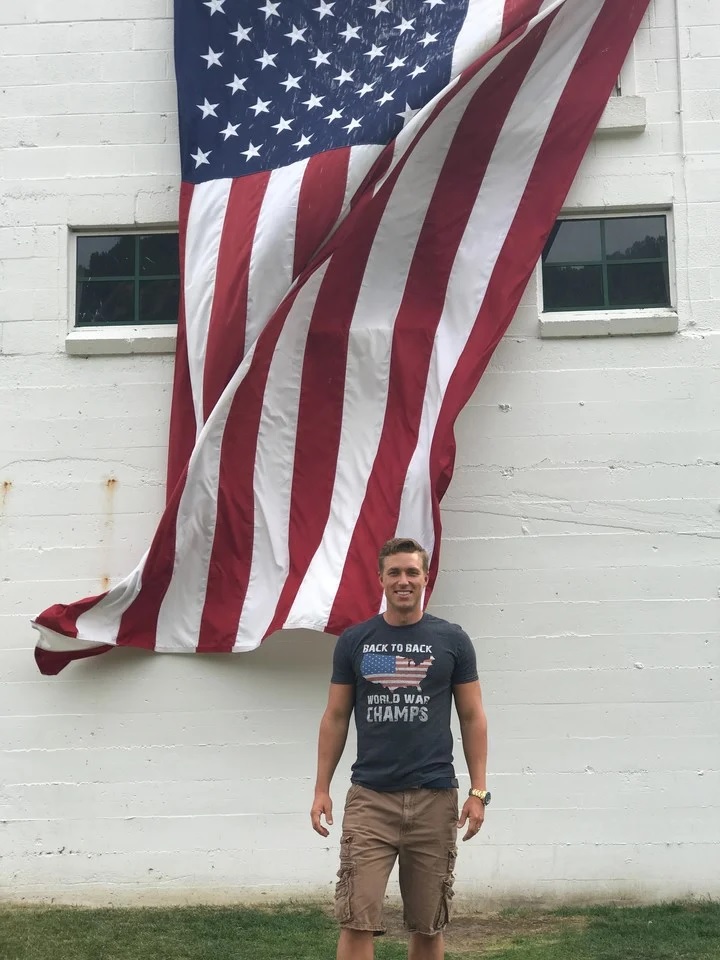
[
  {"x": 343, "y": 887},
  {"x": 444, "y": 911}
]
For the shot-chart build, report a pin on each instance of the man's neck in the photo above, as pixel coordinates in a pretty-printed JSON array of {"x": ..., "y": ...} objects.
[{"x": 395, "y": 619}]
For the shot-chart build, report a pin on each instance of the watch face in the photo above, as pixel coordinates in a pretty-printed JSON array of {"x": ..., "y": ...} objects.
[{"x": 488, "y": 798}]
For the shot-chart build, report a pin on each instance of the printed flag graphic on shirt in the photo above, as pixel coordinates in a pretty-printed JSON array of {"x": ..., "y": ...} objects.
[
  {"x": 394, "y": 672},
  {"x": 367, "y": 187}
]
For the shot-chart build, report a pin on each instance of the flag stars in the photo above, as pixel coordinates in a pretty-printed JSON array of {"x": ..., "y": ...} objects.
[
  {"x": 213, "y": 58},
  {"x": 386, "y": 97},
  {"x": 216, "y": 6},
  {"x": 230, "y": 130},
  {"x": 434, "y": 3},
  {"x": 270, "y": 10},
  {"x": 418, "y": 70},
  {"x": 345, "y": 77},
  {"x": 242, "y": 33},
  {"x": 374, "y": 52},
  {"x": 405, "y": 25},
  {"x": 365, "y": 88},
  {"x": 313, "y": 102},
  {"x": 261, "y": 106},
  {"x": 296, "y": 35},
  {"x": 380, "y": 6},
  {"x": 208, "y": 109},
  {"x": 397, "y": 63},
  {"x": 291, "y": 83},
  {"x": 320, "y": 58},
  {"x": 324, "y": 10},
  {"x": 282, "y": 124},
  {"x": 200, "y": 158},
  {"x": 353, "y": 125},
  {"x": 266, "y": 60},
  {"x": 407, "y": 114},
  {"x": 252, "y": 151},
  {"x": 429, "y": 38},
  {"x": 350, "y": 33},
  {"x": 237, "y": 84},
  {"x": 334, "y": 115},
  {"x": 303, "y": 142}
]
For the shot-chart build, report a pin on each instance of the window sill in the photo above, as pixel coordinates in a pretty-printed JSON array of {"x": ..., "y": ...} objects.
[
  {"x": 610, "y": 323},
  {"x": 110, "y": 341},
  {"x": 623, "y": 115}
]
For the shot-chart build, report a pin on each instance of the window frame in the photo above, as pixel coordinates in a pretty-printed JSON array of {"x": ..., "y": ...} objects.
[
  {"x": 136, "y": 278},
  {"x": 113, "y": 339},
  {"x": 609, "y": 321}
]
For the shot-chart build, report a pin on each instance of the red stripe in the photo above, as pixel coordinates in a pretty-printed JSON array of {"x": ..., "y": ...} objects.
[
  {"x": 320, "y": 203},
  {"x": 226, "y": 334},
  {"x": 62, "y": 617},
  {"x": 517, "y": 13},
  {"x": 51, "y": 662},
  {"x": 591, "y": 82},
  {"x": 323, "y": 384},
  {"x": 465, "y": 167},
  {"x": 231, "y": 557},
  {"x": 182, "y": 412}
]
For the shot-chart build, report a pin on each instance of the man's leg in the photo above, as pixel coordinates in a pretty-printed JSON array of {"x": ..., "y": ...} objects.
[
  {"x": 422, "y": 947},
  {"x": 427, "y": 861},
  {"x": 356, "y": 945}
]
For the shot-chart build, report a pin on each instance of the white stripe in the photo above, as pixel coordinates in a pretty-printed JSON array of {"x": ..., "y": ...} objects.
[
  {"x": 273, "y": 250},
  {"x": 202, "y": 245},
  {"x": 368, "y": 364},
  {"x": 181, "y": 610},
  {"x": 479, "y": 33},
  {"x": 502, "y": 190},
  {"x": 274, "y": 462}
]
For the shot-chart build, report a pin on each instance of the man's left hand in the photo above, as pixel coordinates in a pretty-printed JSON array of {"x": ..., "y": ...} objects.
[{"x": 473, "y": 813}]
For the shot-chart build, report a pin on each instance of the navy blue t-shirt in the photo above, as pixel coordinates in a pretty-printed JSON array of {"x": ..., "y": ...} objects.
[{"x": 403, "y": 678}]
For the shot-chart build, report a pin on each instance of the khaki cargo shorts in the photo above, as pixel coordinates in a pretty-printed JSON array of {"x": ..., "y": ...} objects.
[{"x": 419, "y": 827}]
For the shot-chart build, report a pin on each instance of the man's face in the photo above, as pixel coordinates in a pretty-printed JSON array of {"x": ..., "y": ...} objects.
[{"x": 403, "y": 581}]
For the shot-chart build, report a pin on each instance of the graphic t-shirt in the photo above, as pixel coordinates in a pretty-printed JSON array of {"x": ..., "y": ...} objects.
[{"x": 403, "y": 678}]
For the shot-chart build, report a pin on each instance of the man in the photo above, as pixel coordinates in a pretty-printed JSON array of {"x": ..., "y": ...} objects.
[{"x": 399, "y": 672}]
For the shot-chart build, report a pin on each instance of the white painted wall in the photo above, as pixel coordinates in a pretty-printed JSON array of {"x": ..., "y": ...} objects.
[{"x": 581, "y": 546}]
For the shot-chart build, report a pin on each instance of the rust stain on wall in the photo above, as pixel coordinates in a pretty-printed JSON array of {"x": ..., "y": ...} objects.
[
  {"x": 4, "y": 492},
  {"x": 105, "y": 583}
]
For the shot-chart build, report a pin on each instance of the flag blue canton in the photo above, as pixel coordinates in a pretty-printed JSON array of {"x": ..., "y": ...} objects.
[
  {"x": 375, "y": 664},
  {"x": 263, "y": 84}
]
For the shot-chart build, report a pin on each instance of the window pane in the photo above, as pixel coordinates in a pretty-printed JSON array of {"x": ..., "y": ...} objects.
[
  {"x": 159, "y": 301},
  {"x": 574, "y": 241},
  {"x": 103, "y": 301},
  {"x": 159, "y": 255},
  {"x": 105, "y": 256},
  {"x": 635, "y": 238},
  {"x": 567, "y": 288},
  {"x": 638, "y": 285}
]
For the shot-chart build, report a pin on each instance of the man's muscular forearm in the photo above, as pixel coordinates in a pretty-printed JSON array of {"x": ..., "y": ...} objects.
[{"x": 331, "y": 743}]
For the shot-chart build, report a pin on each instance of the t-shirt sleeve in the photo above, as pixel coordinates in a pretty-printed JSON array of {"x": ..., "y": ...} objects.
[
  {"x": 466, "y": 663},
  {"x": 342, "y": 661}
]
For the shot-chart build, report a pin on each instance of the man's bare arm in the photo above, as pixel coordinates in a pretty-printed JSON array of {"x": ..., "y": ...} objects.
[
  {"x": 473, "y": 729},
  {"x": 331, "y": 743}
]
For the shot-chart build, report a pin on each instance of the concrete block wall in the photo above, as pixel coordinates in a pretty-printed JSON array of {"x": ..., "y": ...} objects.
[{"x": 580, "y": 551}]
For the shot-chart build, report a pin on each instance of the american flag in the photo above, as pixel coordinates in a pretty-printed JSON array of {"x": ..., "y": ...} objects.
[
  {"x": 367, "y": 187},
  {"x": 394, "y": 672}
]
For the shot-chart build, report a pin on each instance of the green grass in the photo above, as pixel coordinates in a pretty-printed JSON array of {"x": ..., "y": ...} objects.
[{"x": 668, "y": 932}]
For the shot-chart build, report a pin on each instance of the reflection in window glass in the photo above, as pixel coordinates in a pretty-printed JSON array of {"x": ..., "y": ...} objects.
[
  {"x": 636, "y": 238},
  {"x": 574, "y": 241},
  {"x": 127, "y": 279},
  {"x": 607, "y": 263}
]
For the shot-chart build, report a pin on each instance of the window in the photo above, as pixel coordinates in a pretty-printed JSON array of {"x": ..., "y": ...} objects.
[
  {"x": 608, "y": 263},
  {"x": 124, "y": 279}
]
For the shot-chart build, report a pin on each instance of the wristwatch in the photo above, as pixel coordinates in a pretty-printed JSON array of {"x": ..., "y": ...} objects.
[{"x": 484, "y": 796}]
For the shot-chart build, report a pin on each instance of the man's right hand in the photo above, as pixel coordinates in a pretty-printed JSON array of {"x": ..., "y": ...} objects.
[{"x": 322, "y": 806}]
